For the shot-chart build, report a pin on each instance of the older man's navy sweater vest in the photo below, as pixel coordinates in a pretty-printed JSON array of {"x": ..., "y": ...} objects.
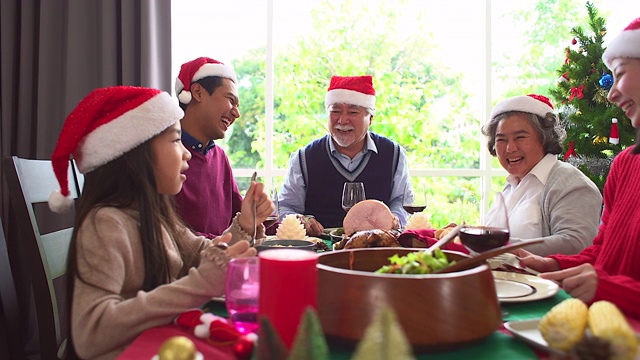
[{"x": 324, "y": 177}]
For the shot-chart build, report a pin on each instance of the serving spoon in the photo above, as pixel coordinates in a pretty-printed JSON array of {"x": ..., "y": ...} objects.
[{"x": 475, "y": 260}]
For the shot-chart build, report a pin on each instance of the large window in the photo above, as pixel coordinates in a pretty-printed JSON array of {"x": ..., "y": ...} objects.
[{"x": 438, "y": 68}]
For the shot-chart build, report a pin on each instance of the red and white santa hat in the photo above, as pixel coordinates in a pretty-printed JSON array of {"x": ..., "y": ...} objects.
[
  {"x": 106, "y": 124},
  {"x": 197, "y": 69},
  {"x": 532, "y": 103},
  {"x": 352, "y": 90},
  {"x": 626, "y": 44}
]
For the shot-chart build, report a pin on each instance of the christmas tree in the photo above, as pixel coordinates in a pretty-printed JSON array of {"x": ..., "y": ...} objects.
[{"x": 597, "y": 130}]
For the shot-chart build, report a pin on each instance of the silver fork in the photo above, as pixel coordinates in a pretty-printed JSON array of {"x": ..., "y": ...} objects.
[
  {"x": 255, "y": 211},
  {"x": 512, "y": 261}
]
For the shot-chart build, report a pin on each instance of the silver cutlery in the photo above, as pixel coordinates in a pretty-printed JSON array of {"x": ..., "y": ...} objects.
[
  {"x": 512, "y": 261},
  {"x": 255, "y": 211}
]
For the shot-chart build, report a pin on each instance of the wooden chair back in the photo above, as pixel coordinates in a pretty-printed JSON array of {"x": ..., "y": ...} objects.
[{"x": 30, "y": 182}]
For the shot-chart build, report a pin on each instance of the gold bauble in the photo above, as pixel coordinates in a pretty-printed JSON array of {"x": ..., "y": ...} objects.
[
  {"x": 177, "y": 348},
  {"x": 600, "y": 140},
  {"x": 603, "y": 33},
  {"x": 600, "y": 96}
]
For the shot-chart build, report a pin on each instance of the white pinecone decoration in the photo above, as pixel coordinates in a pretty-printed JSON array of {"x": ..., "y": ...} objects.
[
  {"x": 291, "y": 229},
  {"x": 418, "y": 221}
]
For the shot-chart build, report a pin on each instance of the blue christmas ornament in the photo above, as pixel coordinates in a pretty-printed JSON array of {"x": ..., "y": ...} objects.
[{"x": 606, "y": 81}]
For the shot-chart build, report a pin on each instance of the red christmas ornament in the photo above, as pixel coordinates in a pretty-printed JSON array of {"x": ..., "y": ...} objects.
[
  {"x": 614, "y": 138},
  {"x": 574, "y": 41},
  {"x": 571, "y": 151},
  {"x": 243, "y": 347}
]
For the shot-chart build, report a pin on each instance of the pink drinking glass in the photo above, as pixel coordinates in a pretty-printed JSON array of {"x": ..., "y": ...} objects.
[{"x": 242, "y": 290}]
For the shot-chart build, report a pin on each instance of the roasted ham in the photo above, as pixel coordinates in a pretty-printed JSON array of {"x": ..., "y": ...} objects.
[{"x": 368, "y": 215}]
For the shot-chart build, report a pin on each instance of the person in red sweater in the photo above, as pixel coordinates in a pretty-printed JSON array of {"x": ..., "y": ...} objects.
[
  {"x": 208, "y": 95},
  {"x": 609, "y": 269}
]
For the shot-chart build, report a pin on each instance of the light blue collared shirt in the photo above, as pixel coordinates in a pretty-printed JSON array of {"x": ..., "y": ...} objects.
[{"x": 293, "y": 192}]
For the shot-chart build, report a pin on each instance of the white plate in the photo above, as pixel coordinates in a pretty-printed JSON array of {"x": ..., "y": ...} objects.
[
  {"x": 514, "y": 287},
  {"x": 528, "y": 332}
]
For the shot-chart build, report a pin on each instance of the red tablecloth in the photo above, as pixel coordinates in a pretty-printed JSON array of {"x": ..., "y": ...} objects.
[{"x": 147, "y": 344}]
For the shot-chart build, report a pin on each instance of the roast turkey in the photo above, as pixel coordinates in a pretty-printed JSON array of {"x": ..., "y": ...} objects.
[
  {"x": 368, "y": 215},
  {"x": 369, "y": 239}
]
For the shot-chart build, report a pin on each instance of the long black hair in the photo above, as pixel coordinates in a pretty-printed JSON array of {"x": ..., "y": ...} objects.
[{"x": 127, "y": 182}]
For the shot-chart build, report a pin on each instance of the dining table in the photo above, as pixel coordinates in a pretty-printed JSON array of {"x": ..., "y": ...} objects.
[{"x": 501, "y": 344}]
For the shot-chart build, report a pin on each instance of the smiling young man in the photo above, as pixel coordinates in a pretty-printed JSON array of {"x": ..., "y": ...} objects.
[
  {"x": 545, "y": 197},
  {"x": 207, "y": 92},
  {"x": 317, "y": 172}
]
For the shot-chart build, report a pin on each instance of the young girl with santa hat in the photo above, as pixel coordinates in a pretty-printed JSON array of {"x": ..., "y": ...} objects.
[
  {"x": 132, "y": 264},
  {"x": 609, "y": 269}
]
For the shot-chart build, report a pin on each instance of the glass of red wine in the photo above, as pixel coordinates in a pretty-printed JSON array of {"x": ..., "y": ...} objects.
[
  {"x": 414, "y": 200},
  {"x": 273, "y": 218},
  {"x": 492, "y": 235},
  {"x": 352, "y": 193}
]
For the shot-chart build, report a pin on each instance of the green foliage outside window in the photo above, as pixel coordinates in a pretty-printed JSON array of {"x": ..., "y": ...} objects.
[{"x": 421, "y": 102}]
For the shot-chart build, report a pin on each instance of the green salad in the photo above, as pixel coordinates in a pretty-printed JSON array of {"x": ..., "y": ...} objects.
[{"x": 419, "y": 262}]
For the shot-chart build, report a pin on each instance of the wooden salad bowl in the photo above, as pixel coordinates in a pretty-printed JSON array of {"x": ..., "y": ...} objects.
[{"x": 437, "y": 311}]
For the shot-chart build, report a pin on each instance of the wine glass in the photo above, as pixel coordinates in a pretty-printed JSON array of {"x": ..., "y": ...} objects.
[
  {"x": 414, "y": 200},
  {"x": 494, "y": 233},
  {"x": 273, "y": 218},
  {"x": 352, "y": 193}
]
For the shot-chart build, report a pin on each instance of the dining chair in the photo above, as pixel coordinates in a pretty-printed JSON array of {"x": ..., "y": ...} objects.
[{"x": 30, "y": 182}]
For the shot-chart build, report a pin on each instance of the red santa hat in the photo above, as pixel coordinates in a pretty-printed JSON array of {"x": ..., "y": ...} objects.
[
  {"x": 626, "y": 44},
  {"x": 532, "y": 103},
  {"x": 352, "y": 90},
  {"x": 197, "y": 69},
  {"x": 106, "y": 124}
]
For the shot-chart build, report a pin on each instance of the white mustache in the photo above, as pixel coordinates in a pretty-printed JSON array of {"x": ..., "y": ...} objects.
[{"x": 343, "y": 127}]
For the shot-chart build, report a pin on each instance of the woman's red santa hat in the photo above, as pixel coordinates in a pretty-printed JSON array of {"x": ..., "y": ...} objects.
[
  {"x": 352, "y": 90},
  {"x": 625, "y": 45},
  {"x": 532, "y": 103},
  {"x": 197, "y": 69},
  {"x": 106, "y": 124}
]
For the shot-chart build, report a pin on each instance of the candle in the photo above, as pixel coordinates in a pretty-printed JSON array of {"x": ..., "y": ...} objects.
[{"x": 288, "y": 285}]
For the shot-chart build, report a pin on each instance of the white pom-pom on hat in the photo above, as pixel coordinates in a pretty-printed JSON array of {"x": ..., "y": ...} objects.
[
  {"x": 185, "y": 97},
  {"x": 59, "y": 203}
]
